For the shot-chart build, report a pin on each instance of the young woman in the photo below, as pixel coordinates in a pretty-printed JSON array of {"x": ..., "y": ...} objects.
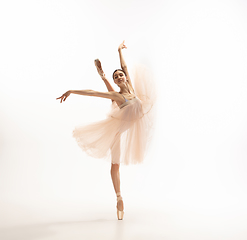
[{"x": 123, "y": 135}]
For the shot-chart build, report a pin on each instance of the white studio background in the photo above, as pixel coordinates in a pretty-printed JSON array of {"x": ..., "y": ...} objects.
[{"x": 197, "y": 51}]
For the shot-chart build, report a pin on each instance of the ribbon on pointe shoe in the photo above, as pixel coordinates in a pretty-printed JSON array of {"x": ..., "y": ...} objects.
[
  {"x": 119, "y": 213},
  {"x": 119, "y": 197}
]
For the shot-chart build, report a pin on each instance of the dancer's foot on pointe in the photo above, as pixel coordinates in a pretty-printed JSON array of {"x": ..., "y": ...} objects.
[
  {"x": 120, "y": 206},
  {"x": 99, "y": 67}
]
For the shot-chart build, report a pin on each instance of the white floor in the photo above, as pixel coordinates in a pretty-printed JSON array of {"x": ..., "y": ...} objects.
[{"x": 138, "y": 224}]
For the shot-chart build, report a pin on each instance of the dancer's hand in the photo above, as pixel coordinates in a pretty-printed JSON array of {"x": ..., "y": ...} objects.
[
  {"x": 64, "y": 96},
  {"x": 122, "y": 46}
]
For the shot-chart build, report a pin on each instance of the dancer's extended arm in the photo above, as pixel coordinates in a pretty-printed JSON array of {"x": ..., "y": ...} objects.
[
  {"x": 123, "y": 64},
  {"x": 110, "y": 95}
]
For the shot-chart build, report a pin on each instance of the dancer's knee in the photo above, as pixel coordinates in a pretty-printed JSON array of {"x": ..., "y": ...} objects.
[{"x": 114, "y": 167}]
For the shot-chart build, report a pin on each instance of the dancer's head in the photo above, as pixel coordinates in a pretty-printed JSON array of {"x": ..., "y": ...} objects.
[{"x": 119, "y": 76}]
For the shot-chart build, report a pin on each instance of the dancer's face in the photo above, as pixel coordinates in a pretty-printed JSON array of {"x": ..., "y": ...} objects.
[{"x": 119, "y": 77}]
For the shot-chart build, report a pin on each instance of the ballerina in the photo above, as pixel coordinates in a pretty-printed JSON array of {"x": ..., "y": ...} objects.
[{"x": 123, "y": 135}]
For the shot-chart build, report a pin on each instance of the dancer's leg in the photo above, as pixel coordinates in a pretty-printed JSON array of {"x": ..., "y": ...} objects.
[{"x": 115, "y": 175}]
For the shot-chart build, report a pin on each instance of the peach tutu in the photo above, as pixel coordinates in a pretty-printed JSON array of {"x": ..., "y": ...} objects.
[{"x": 124, "y": 135}]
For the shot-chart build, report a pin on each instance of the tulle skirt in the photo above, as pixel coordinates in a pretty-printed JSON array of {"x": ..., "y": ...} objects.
[{"x": 124, "y": 135}]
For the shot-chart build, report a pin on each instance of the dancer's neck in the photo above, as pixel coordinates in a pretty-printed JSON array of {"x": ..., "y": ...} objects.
[{"x": 124, "y": 89}]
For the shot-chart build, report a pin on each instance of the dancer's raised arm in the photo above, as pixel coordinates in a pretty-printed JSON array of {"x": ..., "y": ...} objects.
[
  {"x": 123, "y": 64},
  {"x": 110, "y": 95}
]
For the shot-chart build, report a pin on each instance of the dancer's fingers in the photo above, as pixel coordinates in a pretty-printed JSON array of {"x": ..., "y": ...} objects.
[
  {"x": 62, "y": 99},
  {"x": 123, "y": 45}
]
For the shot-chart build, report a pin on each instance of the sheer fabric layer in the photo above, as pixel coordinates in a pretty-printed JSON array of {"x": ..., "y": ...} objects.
[{"x": 124, "y": 135}]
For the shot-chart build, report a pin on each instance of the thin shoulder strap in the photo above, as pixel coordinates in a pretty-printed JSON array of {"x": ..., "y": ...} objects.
[{"x": 124, "y": 97}]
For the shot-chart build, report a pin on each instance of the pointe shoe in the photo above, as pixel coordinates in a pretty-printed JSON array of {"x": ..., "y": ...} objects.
[
  {"x": 120, "y": 213},
  {"x": 99, "y": 67}
]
